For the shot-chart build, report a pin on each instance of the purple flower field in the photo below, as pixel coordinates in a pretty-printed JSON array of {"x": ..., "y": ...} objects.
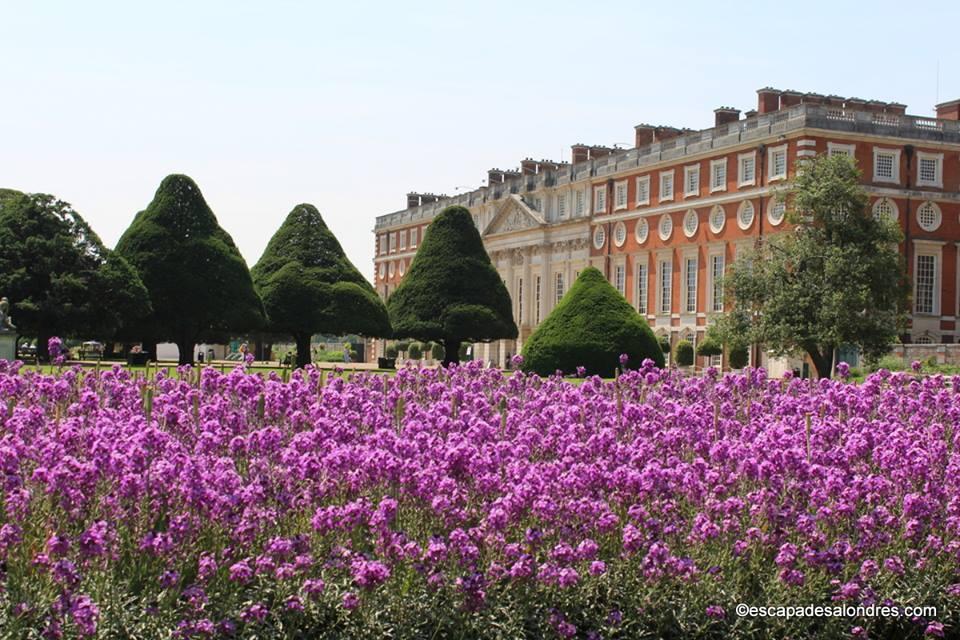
[{"x": 470, "y": 503}]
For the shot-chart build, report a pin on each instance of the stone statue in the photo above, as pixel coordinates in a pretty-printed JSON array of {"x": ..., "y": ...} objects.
[{"x": 6, "y": 323}]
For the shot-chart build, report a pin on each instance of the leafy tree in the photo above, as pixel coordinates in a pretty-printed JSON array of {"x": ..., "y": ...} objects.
[
  {"x": 684, "y": 353},
  {"x": 415, "y": 352},
  {"x": 59, "y": 277},
  {"x": 738, "y": 357},
  {"x": 591, "y": 327},
  {"x": 198, "y": 281},
  {"x": 309, "y": 286},
  {"x": 452, "y": 293},
  {"x": 838, "y": 278},
  {"x": 437, "y": 351},
  {"x": 391, "y": 351}
]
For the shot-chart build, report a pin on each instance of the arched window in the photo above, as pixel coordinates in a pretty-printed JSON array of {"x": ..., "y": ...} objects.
[
  {"x": 718, "y": 218},
  {"x": 666, "y": 227},
  {"x": 745, "y": 215},
  {"x": 599, "y": 237},
  {"x": 641, "y": 231},
  {"x": 619, "y": 234},
  {"x": 691, "y": 222}
]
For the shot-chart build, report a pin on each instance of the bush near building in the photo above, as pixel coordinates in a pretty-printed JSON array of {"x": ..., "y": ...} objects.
[
  {"x": 683, "y": 353},
  {"x": 590, "y": 328}
]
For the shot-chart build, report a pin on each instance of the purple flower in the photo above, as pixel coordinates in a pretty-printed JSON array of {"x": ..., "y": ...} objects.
[
  {"x": 934, "y": 629},
  {"x": 350, "y": 601},
  {"x": 716, "y": 611}
]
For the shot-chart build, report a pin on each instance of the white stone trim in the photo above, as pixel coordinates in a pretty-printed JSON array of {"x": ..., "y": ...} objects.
[
  {"x": 740, "y": 215},
  {"x": 620, "y": 184},
  {"x": 878, "y": 151},
  {"x": 741, "y": 182},
  {"x": 806, "y": 143},
  {"x": 691, "y": 223},
  {"x": 712, "y": 218},
  {"x": 937, "y": 182},
  {"x": 771, "y": 154},
  {"x": 836, "y": 148},
  {"x": 714, "y": 166},
  {"x": 687, "y": 171},
  {"x": 640, "y": 180},
  {"x": 670, "y": 173}
]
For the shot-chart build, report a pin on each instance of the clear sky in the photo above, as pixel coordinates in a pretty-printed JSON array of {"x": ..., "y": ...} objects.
[{"x": 349, "y": 105}]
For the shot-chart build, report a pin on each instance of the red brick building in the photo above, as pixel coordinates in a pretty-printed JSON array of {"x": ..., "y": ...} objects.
[{"x": 664, "y": 219}]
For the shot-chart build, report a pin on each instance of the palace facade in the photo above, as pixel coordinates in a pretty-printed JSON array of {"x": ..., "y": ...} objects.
[{"x": 665, "y": 218}]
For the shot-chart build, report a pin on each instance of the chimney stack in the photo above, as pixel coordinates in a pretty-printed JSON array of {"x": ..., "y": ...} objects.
[
  {"x": 528, "y": 167},
  {"x": 413, "y": 200},
  {"x": 948, "y": 110},
  {"x": 768, "y": 100},
  {"x": 725, "y": 115},
  {"x": 643, "y": 135},
  {"x": 581, "y": 153}
]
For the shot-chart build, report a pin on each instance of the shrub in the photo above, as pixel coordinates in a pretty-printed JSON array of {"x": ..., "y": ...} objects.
[
  {"x": 708, "y": 347},
  {"x": 463, "y": 350},
  {"x": 684, "y": 353},
  {"x": 739, "y": 357},
  {"x": 437, "y": 351},
  {"x": 403, "y": 346},
  {"x": 415, "y": 351},
  {"x": 591, "y": 327},
  {"x": 391, "y": 351}
]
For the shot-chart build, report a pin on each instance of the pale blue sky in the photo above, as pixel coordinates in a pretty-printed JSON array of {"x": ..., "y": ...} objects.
[{"x": 350, "y": 105}]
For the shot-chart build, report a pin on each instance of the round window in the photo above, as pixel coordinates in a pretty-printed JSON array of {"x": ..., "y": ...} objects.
[
  {"x": 777, "y": 212},
  {"x": 691, "y": 222},
  {"x": 718, "y": 218},
  {"x": 885, "y": 208},
  {"x": 383, "y": 269},
  {"x": 745, "y": 215},
  {"x": 393, "y": 269},
  {"x": 619, "y": 234},
  {"x": 666, "y": 227},
  {"x": 641, "y": 231},
  {"x": 403, "y": 267},
  {"x": 928, "y": 216},
  {"x": 599, "y": 237}
]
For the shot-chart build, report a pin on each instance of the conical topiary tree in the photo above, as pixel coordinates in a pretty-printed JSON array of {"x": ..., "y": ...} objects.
[
  {"x": 452, "y": 293},
  {"x": 591, "y": 327},
  {"x": 199, "y": 284},
  {"x": 309, "y": 286}
]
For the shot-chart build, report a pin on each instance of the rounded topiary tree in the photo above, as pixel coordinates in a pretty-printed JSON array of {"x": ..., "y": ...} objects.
[
  {"x": 309, "y": 286},
  {"x": 664, "y": 342},
  {"x": 415, "y": 352},
  {"x": 709, "y": 347},
  {"x": 390, "y": 351},
  {"x": 591, "y": 327},
  {"x": 683, "y": 353},
  {"x": 452, "y": 293},
  {"x": 198, "y": 282},
  {"x": 437, "y": 351}
]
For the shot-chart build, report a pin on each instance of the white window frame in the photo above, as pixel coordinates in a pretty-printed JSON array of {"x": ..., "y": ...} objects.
[
  {"x": 938, "y": 178},
  {"x": 715, "y": 167},
  {"x": 936, "y": 209},
  {"x": 666, "y": 179},
  {"x": 664, "y": 236},
  {"x": 559, "y": 287},
  {"x": 664, "y": 285},
  {"x": 717, "y": 229},
  {"x": 403, "y": 240},
  {"x": 741, "y": 180},
  {"x": 414, "y": 237},
  {"x": 714, "y": 282},
  {"x": 402, "y": 267},
  {"x": 620, "y": 278},
  {"x": 772, "y": 204},
  {"x": 579, "y": 202},
  {"x": 690, "y": 289},
  {"x": 600, "y": 199},
  {"x": 881, "y": 151},
  {"x": 561, "y": 206},
  {"x": 620, "y": 188},
  {"x": 519, "y": 301},
  {"x": 394, "y": 241},
  {"x": 619, "y": 234},
  {"x": 691, "y": 170},
  {"x": 935, "y": 251},
  {"x": 384, "y": 243},
  {"x": 771, "y": 163},
  {"x": 753, "y": 217},
  {"x": 641, "y": 271},
  {"x": 836, "y": 148},
  {"x": 599, "y": 237},
  {"x": 641, "y": 226},
  {"x": 895, "y": 214},
  {"x": 643, "y": 188},
  {"x": 691, "y": 215},
  {"x": 538, "y": 299}
]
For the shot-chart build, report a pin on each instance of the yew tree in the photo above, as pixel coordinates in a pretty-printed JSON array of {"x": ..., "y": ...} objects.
[
  {"x": 199, "y": 284},
  {"x": 452, "y": 293},
  {"x": 59, "y": 277},
  {"x": 836, "y": 277},
  {"x": 308, "y": 285}
]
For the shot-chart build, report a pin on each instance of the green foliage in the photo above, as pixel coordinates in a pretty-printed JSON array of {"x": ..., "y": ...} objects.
[
  {"x": 437, "y": 352},
  {"x": 591, "y": 327},
  {"x": 403, "y": 346},
  {"x": 391, "y": 351},
  {"x": 738, "y": 357},
  {"x": 415, "y": 351},
  {"x": 59, "y": 277},
  {"x": 709, "y": 346},
  {"x": 664, "y": 343},
  {"x": 683, "y": 353},
  {"x": 837, "y": 279},
  {"x": 452, "y": 293},
  {"x": 198, "y": 281},
  {"x": 463, "y": 351},
  {"x": 309, "y": 286}
]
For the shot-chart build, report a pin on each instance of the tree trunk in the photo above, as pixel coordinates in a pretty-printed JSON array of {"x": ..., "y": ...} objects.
[
  {"x": 185, "y": 347},
  {"x": 451, "y": 352},
  {"x": 822, "y": 361},
  {"x": 43, "y": 353},
  {"x": 303, "y": 349}
]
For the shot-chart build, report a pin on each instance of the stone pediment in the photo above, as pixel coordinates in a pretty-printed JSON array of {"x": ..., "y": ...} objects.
[{"x": 514, "y": 215}]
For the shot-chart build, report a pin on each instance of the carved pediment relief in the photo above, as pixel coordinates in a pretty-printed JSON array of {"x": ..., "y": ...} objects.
[{"x": 514, "y": 215}]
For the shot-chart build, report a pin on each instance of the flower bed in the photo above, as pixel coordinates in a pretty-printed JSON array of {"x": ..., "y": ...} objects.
[{"x": 465, "y": 503}]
